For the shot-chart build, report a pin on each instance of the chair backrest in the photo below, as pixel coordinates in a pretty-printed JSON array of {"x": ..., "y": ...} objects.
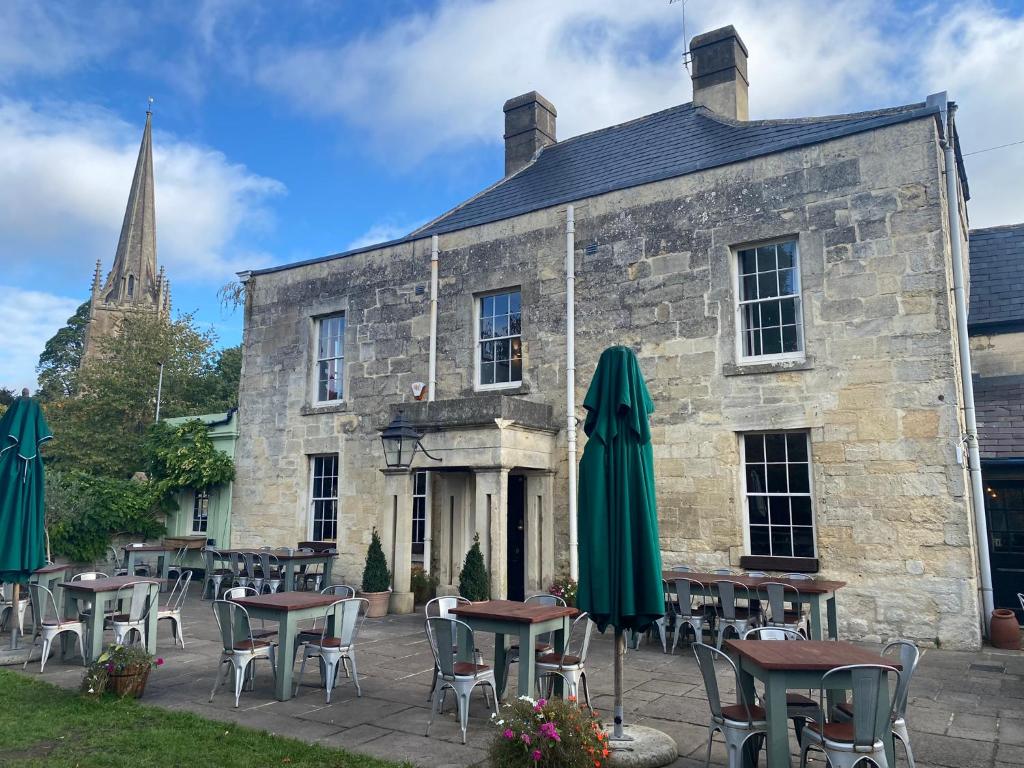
[
  {"x": 728, "y": 593},
  {"x": 545, "y": 599},
  {"x": 1020, "y": 596},
  {"x": 253, "y": 561},
  {"x": 233, "y": 623},
  {"x": 116, "y": 557},
  {"x": 136, "y": 544},
  {"x": 707, "y": 656},
  {"x": 772, "y": 633},
  {"x": 443, "y": 637},
  {"x": 686, "y": 591},
  {"x": 681, "y": 568},
  {"x": 721, "y": 571},
  {"x": 577, "y": 644},
  {"x": 340, "y": 590},
  {"x": 269, "y": 563},
  {"x": 142, "y": 595},
  {"x": 866, "y": 687},
  {"x": 798, "y": 576},
  {"x": 908, "y": 655},
  {"x": 238, "y": 564},
  {"x": 348, "y": 615},
  {"x": 43, "y": 602},
  {"x": 236, "y": 592},
  {"x": 755, "y": 574},
  {"x": 440, "y": 606},
  {"x": 89, "y": 576},
  {"x": 778, "y": 595},
  {"x": 179, "y": 591}
]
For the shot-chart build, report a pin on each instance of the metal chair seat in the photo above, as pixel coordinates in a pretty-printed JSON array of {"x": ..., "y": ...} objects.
[
  {"x": 556, "y": 658},
  {"x": 469, "y": 669},
  {"x": 250, "y": 645},
  {"x": 737, "y": 713}
]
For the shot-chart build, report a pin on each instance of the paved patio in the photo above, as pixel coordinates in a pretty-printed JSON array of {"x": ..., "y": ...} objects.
[{"x": 966, "y": 710}]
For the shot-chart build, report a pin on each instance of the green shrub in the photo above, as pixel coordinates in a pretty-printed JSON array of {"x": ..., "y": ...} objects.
[
  {"x": 84, "y": 513},
  {"x": 376, "y": 576},
  {"x": 424, "y": 585},
  {"x": 473, "y": 582}
]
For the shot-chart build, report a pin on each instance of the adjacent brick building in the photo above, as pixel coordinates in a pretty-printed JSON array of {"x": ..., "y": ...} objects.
[{"x": 786, "y": 286}]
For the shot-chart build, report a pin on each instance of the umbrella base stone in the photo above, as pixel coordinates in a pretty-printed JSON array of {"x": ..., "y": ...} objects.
[
  {"x": 10, "y": 657},
  {"x": 643, "y": 748}
]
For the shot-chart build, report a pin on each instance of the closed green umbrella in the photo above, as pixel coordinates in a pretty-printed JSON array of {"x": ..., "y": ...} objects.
[
  {"x": 22, "y": 541},
  {"x": 619, "y": 556}
]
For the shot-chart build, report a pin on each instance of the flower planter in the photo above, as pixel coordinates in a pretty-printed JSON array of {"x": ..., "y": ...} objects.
[
  {"x": 1005, "y": 632},
  {"x": 377, "y": 603},
  {"x": 131, "y": 682}
]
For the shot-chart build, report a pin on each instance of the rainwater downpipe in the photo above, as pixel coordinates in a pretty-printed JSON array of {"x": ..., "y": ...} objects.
[
  {"x": 431, "y": 385},
  {"x": 570, "y": 381},
  {"x": 967, "y": 384}
]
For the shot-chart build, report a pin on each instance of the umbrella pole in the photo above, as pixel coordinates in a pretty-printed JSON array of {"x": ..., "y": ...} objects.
[
  {"x": 620, "y": 654},
  {"x": 15, "y": 596}
]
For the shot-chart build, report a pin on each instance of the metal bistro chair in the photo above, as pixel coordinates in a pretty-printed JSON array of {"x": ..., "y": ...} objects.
[
  {"x": 541, "y": 646},
  {"x": 84, "y": 607},
  {"x": 799, "y": 708},
  {"x": 347, "y": 616},
  {"x": 570, "y": 665},
  {"x": 254, "y": 569},
  {"x": 177, "y": 564},
  {"x": 142, "y": 597},
  {"x": 736, "y": 722},
  {"x": 239, "y": 654},
  {"x": 171, "y": 610},
  {"x": 273, "y": 575},
  {"x": 804, "y": 613},
  {"x": 691, "y": 606},
  {"x": 141, "y": 568},
  {"x": 43, "y": 602},
  {"x": 460, "y": 676},
  {"x": 233, "y": 593},
  {"x": 240, "y": 577},
  {"x": 738, "y": 618},
  {"x": 441, "y": 607},
  {"x": 214, "y": 576},
  {"x": 777, "y": 614},
  {"x": 847, "y": 744},
  {"x": 908, "y": 655},
  {"x": 9, "y": 611},
  {"x": 343, "y": 591}
]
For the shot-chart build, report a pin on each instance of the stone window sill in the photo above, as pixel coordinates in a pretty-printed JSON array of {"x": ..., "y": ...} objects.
[
  {"x": 775, "y": 366},
  {"x": 316, "y": 410},
  {"x": 786, "y": 564}
]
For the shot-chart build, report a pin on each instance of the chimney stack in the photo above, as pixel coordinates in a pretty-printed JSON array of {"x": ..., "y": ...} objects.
[
  {"x": 719, "y": 62},
  {"x": 529, "y": 125}
]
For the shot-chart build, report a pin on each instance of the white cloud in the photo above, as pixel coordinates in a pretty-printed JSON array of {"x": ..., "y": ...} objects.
[
  {"x": 65, "y": 171},
  {"x": 29, "y": 318},
  {"x": 381, "y": 232}
]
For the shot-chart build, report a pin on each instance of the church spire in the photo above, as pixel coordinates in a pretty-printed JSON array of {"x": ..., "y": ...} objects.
[{"x": 133, "y": 278}]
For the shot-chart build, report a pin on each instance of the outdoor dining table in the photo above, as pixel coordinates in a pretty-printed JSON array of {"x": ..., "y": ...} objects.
[
  {"x": 163, "y": 558},
  {"x": 97, "y": 592},
  {"x": 526, "y": 621},
  {"x": 783, "y": 665},
  {"x": 291, "y": 561},
  {"x": 287, "y": 609},
  {"x": 811, "y": 593}
]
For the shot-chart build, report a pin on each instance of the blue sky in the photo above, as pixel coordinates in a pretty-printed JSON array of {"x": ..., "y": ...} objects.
[{"x": 284, "y": 131}]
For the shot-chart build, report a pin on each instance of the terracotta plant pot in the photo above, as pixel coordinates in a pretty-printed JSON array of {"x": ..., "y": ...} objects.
[
  {"x": 378, "y": 604},
  {"x": 131, "y": 682},
  {"x": 1005, "y": 630}
]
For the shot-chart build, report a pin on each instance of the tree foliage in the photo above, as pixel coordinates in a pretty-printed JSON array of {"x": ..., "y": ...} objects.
[
  {"x": 62, "y": 356},
  {"x": 473, "y": 582},
  {"x": 184, "y": 457},
  {"x": 103, "y": 428},
  {"x": 7, "y": 397},
  {"x": 376, "y": 577}
]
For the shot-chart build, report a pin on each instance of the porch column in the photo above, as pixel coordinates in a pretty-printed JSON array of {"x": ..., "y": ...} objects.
[
  {"x": 491, "y": 512},
  {"x": 547, "y": 530},
  {"x": 396, "y": 520},
  {"x": 540, "y": 551}
]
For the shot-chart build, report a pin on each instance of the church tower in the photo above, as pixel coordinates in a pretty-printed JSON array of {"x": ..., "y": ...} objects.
[{"x": 133, "y": 284}]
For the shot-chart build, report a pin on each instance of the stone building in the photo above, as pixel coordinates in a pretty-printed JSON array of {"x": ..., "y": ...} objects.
[
  {"x": 786, "y": 287},
  {"x": 133, "y": 284},
  {"x": 997, "y": 351}
]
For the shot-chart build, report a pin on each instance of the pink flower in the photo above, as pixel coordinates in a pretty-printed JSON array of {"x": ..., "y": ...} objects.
[
  {"x": 508, "y": 734},
  {"x": 159, "y": 662},
  {"x": 526, "y": 738},
  {"x": 535, "y": 755},
  {"x": 539, "y": 705}
]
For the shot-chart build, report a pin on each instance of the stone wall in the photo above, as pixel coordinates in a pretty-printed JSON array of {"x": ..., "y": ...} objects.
[{"x": 876, "y": 391}]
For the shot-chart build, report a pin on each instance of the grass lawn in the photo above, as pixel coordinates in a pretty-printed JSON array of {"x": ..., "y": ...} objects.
[{"x": 42, "y": 725}]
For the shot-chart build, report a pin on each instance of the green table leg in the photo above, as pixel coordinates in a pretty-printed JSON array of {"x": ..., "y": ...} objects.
[
  {"x": 289, "y": 576},
  {"x": 833, "y": 617},
  {"x": 328, "y": 572},
  {"x": 527, "y": 640},
  {"x": 559, "y": 635},
  {"x": 151, "y": 618},
  {"x": 815, "y": 602},
  {"x": 500, "y": 655},
  {"x": 777, "y": 747},
  {"x": 287, "y": 630},
  {"x": 96, "y": 616}
]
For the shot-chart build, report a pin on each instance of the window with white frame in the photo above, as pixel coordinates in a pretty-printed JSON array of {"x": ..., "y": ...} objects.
[
  {"x": 419, "y": 512},
  {"x": 330, "y": 358},
  {"x": 200, "y": 511},
  {"x": 324, "y": 497},
  {"x": 769, "y": 318},
  {"x": 499, "y": 340},
  {"x": 777, "y": 493}
]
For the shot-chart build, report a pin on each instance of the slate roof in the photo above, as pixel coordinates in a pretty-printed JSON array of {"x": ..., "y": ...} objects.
[
  {"x": 999, "y": 405},
  {"x": 674, "y": 142},
  {"x": 997, "y": 278}
]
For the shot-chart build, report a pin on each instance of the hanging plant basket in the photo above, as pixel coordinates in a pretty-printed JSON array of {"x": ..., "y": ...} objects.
[{"x": 130, "y": 682}]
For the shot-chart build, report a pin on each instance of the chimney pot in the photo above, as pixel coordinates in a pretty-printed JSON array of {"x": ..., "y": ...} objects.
[
  {"x": 529, "y": 126},
  {"x": 719, "y": 62}
]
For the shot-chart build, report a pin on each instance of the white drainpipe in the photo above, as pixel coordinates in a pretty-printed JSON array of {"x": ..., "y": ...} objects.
[
  {"x": 431, "y": 386},
  {"x": 570, "y": 380},
  {"x": 970, "y": 421}
]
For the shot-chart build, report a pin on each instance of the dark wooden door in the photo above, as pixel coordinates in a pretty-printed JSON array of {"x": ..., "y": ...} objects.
[
  {"x": 1004, "y": 506},
  {"x": 516, "y": 537}
]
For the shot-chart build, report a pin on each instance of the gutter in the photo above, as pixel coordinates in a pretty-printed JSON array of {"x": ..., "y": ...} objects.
[
  {"x": 431, "y": 392},
  {"x": 947, "y": 112},
  {"x": 570, "y": 382}
]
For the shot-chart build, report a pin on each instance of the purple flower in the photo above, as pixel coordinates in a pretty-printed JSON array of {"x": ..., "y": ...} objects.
[
  {"x": 550, "y": 730},
  {"x": 508, "y": 734},
  {"x": 526, "y": 738},
  {"x": 535, "y": 755},
  {"x": 159, "y": 662}
]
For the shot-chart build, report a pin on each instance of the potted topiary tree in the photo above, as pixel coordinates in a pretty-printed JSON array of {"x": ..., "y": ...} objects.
[
  {"x": 473, "y": 582},
  {"x": 376, "y": 579}
]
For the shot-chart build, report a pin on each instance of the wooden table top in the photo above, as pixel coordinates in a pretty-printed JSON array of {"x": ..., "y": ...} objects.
[
  {"x": 805, "y": 655},
  {"x": 52, "y": 568},
  {"x": 816, "y": 587},
  {"x": 148, "y": 548},
  {"x": 318, "y": 546},
  {"x": 109, "y": 584},
  {"x": 513, "y": 611},
  {"x": 287, "y": 601}
]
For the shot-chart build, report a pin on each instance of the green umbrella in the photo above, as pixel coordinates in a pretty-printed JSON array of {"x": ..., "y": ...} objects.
[
  {"x": 22, "y": 541},
  {"x": 620, "y": 560}
]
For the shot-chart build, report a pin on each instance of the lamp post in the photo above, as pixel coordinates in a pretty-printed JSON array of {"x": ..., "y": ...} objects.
[{"x": 401, "y": 440}]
